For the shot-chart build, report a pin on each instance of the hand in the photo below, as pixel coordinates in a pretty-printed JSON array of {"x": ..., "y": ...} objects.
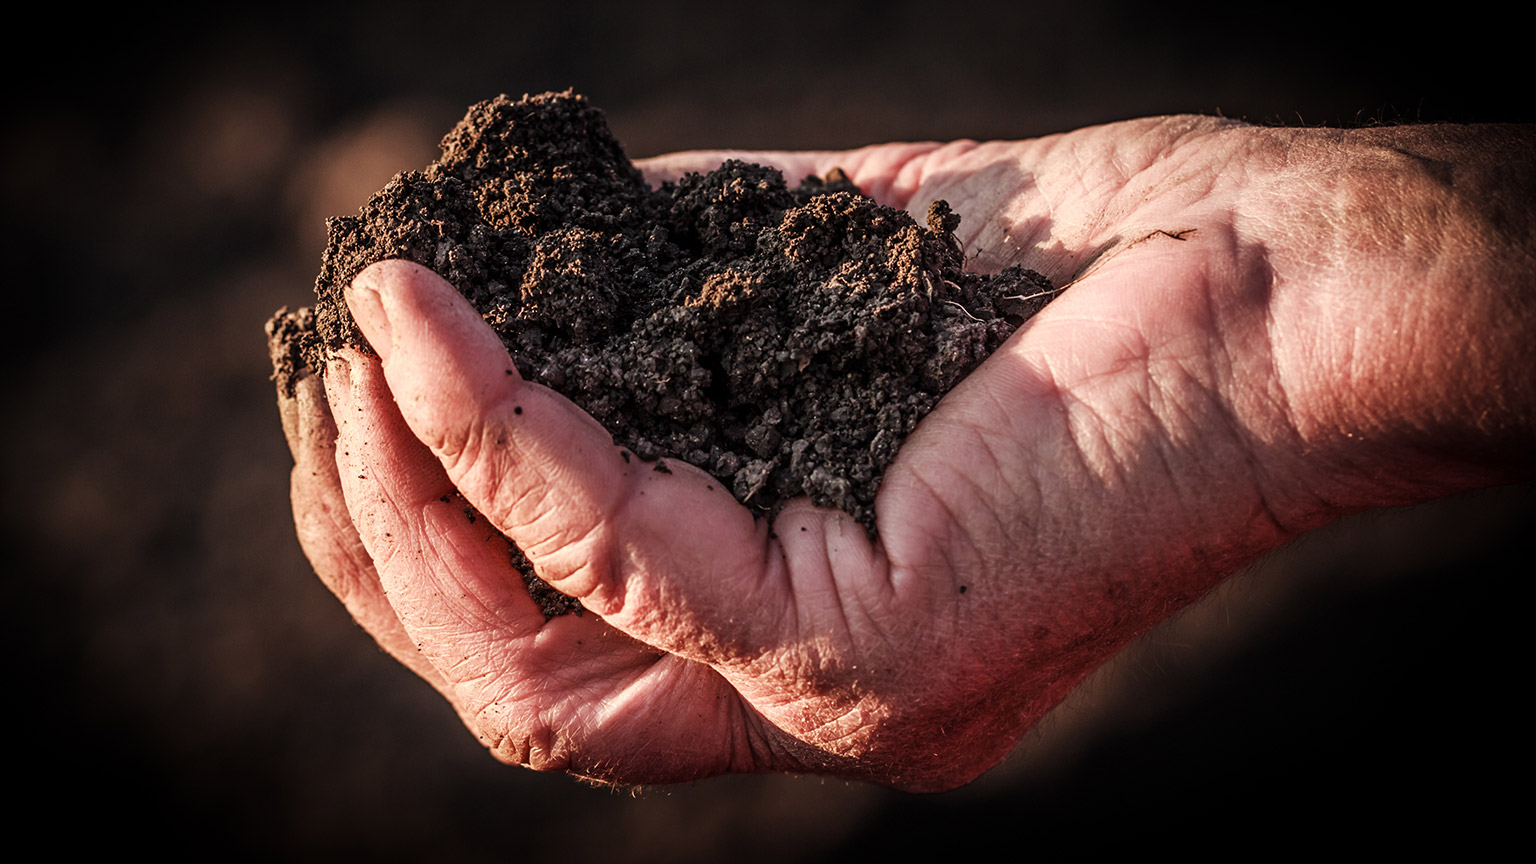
[{"x": 1241, "y": 357}]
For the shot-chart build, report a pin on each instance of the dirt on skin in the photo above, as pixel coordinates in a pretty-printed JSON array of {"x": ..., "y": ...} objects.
[{"x": 784, "y": 340}]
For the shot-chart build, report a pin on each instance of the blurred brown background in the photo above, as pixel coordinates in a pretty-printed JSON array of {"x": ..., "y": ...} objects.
[{"x": 181, "y": 684}]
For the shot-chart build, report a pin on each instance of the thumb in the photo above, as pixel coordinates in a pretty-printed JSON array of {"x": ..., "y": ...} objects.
[
  {"x": 595, "y": 522},
  {"x": 500, "y": 438}
]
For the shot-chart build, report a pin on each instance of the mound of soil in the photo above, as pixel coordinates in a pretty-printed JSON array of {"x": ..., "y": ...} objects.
[{"x": 786, "y": 340}]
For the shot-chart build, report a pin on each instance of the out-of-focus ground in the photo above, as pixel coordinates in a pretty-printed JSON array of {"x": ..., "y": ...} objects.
[{"x": 179, "y": 683}]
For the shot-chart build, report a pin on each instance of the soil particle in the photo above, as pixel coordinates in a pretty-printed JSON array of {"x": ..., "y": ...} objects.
[{"x": 785, "y": 340}]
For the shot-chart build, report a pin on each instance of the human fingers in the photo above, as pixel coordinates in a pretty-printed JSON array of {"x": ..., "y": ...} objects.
[
  {"x": 888, "y": 173},
  {"x": 659, "y": 550},
  {"x": 325, "y": 529},
  {"x": 570, "y": 693},
  {"x": 1006, "y": 215},
  {"x": 449, "y": 581}
]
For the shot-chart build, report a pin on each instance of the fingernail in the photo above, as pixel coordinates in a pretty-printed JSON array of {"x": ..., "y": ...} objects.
[
  {"x": 368, "y": 310},
  {"x": 296, "y": 410},
  {"x": 338, "y": 383},
  {"x": 314, "y": 412}
]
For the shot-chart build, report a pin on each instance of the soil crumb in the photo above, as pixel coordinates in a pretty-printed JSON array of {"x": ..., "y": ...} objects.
[{"x": 783, "y": 339}]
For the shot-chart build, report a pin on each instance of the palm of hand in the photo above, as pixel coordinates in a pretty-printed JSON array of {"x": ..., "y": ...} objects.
[{"x": 1044, "y": 514}]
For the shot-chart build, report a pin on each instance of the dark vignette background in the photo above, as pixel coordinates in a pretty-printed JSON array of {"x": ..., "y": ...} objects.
[{"x": 181, "y": 684}]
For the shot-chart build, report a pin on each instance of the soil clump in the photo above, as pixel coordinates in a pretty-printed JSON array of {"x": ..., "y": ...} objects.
[{"x": 785, "y": 340}]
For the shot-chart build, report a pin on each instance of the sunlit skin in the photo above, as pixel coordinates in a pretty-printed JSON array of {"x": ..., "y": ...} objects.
[{"x": 1264, "y": 329}]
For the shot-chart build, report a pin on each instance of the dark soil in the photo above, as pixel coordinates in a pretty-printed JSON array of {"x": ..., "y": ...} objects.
[{"x": 786, "y": 340}]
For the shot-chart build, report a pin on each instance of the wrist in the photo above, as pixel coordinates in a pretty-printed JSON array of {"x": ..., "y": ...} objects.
[{"x": 1403, "y": 309}]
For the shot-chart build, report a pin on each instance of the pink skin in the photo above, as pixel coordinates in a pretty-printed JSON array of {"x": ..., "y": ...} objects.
[{"x": 1242, "y": 356}]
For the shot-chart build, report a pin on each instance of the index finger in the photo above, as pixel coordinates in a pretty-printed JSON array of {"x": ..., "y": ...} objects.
[{"x": 661, "y": 551}]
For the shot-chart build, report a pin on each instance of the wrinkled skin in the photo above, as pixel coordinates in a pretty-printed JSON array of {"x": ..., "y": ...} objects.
[{"x": 1258, "y": 337}]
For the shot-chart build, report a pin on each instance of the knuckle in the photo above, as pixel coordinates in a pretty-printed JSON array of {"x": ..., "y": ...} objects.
[
  {"x": 511, "y": 725},
  {"x": 469, "y": 448},
  {"x": 537, "y": 747}
]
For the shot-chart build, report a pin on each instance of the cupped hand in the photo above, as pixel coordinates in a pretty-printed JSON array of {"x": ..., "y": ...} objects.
[{"x": 1175, "y": 413}]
